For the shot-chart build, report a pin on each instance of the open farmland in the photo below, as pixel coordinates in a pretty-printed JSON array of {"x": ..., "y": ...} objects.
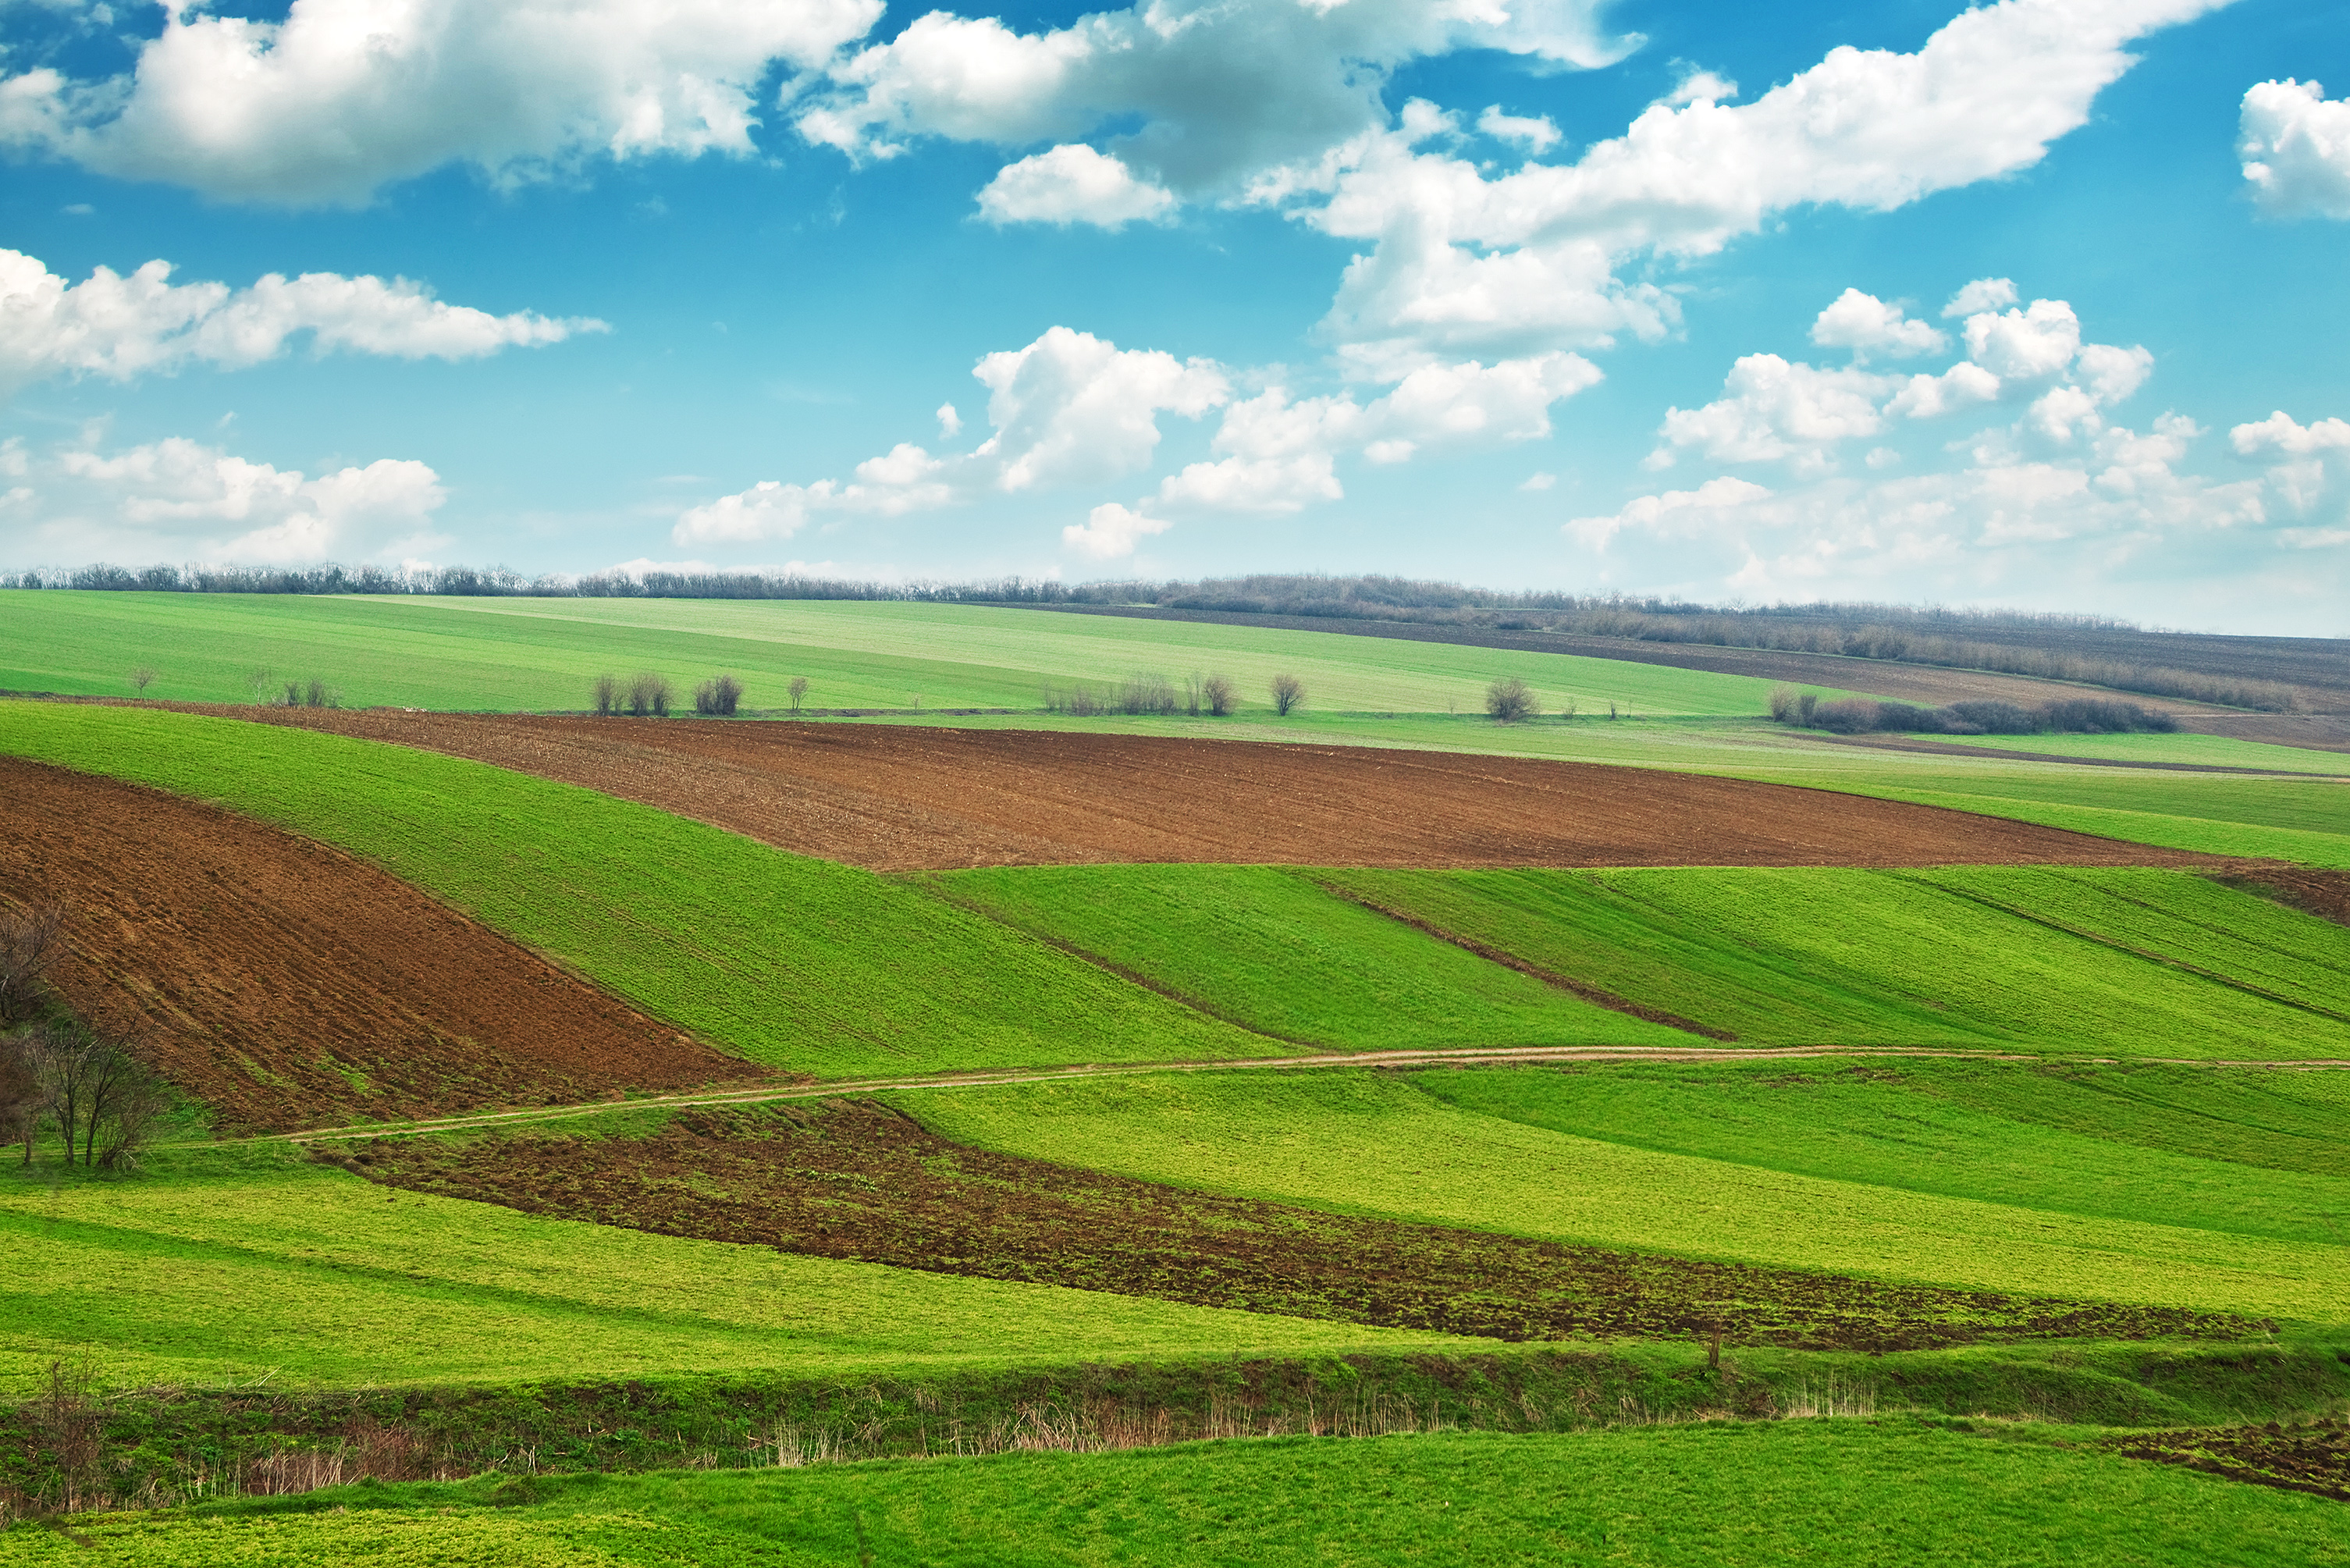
[
  {"x": 1835, "y": 1493},
  {"x": 2180, "y": 750}
]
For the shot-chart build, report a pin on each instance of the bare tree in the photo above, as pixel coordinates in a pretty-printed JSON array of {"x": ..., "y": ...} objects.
[
  {"x": 1509, "y": 699},
  {"x": 21, "y": 1100},
  {"x": 141, "y": 678},
  {"x": 1217, "y": 693},
  {"x": 1288, "y": 692},
  {"x": 607, "y": 695},
  {"x": 798, "y": 690},
  {"x": 649, "y": 695},
  {"x": 719, "y": 695},
  {"x": 31, "y": 937},
  {"x": 105, "y": 1099}
]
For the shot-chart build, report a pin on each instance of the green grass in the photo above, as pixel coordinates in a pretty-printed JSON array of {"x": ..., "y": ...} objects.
[
  {"x": 1270, "y": 950},
  {"x": 2030, "y": 1137},
  {"x": 537, "y": 654},
  {"x": 247, "y": 1260},
  {"x": 2204, "y": 750},
  {"x": 1825, "y": 1492},
  {"x": 1812, "y": 956},
  {"x": 1369, "y": 1143},
  {"x": 798, "y": 962}
]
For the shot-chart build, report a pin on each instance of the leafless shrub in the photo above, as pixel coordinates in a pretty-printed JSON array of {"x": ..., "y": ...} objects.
[
  {"x": 31, "y": 937},
  {"x": 1509, "y": 699},
  {"x": 105, "y": 1100},
  {"x": 607, "y": 695},
  {"x": 717, "y": 696},
  {"x": 1288, "y": 692},
  {"x": 1218, "y": 692},
  {"x": 798, "y": 690},
  {"x": 1806, "y": 707},
  {"x": 141, "y": 678},
  {"x": 1079, "y": 701},
  {"x": 1145, "y": 692},
  {"x": 259, "y": 679},
  {"x": 1782, "y": 704},
  {"x": 70, "y": 1422},
  {"x": 21, "y": 1099},
  {"x": 649, "y": 696}
]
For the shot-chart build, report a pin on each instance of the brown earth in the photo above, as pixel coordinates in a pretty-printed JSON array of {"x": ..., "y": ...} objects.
[
  {"x": 895, "y": 798},
  {"x": 855, "y": 1181},
  {"x": 2314, "y": 1458},
  {"x": 286, "y": 984}
]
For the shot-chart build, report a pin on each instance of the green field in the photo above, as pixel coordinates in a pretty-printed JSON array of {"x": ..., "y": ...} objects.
[
  {"x": 788, "y": 960},
  {"x": 1812, "y": 956},
  {"x": 244, "y": 1261},
  {"x": 1827, "y": 1492},
  {"x": 526, "y": 654},
  {"x": 2200, "y": 751},
  {"x": 1367, "y": 1143},
  {"x": 1272, "y": 951}
]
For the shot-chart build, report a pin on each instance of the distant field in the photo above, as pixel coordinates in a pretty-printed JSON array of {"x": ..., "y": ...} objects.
[
  {"x": 233, "y": 1263},
  {"x": 1365, "y": 1143},
  {"x": 2208, "y": 751},
  {"x": 790, "y": 962},
  {"x": 1827, "y": 955},
  {"x": 1827, "y": 1492},
  {"x": 510, "y": 655},
  {"x": 1269, "y": 949}
]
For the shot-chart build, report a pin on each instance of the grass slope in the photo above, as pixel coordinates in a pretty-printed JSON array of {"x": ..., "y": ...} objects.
[
  {"x": 1371, "y": 1143},
  {"x": 1830, "y": 1492},
  {"x": 2204, "y": 751},
  {"x": 530, "y": 654},
  {"x": 1271, "y": 950},
  {"x": 234, "y": 1262},
  {"x": 796, "y": 962},
  {"x": 1804, "y": 955}
]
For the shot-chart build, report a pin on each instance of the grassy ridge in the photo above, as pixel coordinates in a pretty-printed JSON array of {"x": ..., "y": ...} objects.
[
  {"x": 1800, "y": 956},
  {"x": 2206, "y": 751},
  {"x": 797, "y": 962},
  {"x": 535, "y": 654},
  {"x": 1269, "y": 949},
  {"x": 1369, "y": 1143},
  {"x": 1823, "y": 1493},
  {"x": 231, "y": 1264}
]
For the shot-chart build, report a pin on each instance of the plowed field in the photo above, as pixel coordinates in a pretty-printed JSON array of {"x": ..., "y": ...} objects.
[
  {"x": 902, "y": 799},
  {"x": 286, "y": 984}
]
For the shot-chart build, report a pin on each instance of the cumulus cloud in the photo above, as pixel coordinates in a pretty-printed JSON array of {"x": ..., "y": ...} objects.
[
  {"x": 1536, "y": 135},
  {"x": 2295, "y": 147},
  {"x": 1110, "y": 531},
  {"x": 1867, "y": 325},
  {"x": 1984, "y": 294},
  {"x": 1073, "y": 184},
  {"x": 1216, "y": 92},
  {"x": 119, "y": 328},
  {"x": 1530, "y": 258},
  {"x": 344, "y": 96},
  {"x": 178, "y": 499},
  {"x": 2308, "y": 473},
  {"x": 1773, "y": 410},
  {"x": 1068, "y": 408}
]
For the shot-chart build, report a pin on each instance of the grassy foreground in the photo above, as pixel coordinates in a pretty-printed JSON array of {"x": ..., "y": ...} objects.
[{"x": 1829, "y": 1492}]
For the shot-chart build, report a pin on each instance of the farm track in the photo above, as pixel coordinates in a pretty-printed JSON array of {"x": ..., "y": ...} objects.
[
  {"x": 901, "y": 799},
  {"x": 282, "y": 981}
]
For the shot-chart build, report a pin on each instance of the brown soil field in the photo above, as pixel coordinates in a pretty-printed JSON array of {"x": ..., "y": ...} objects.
[
  {"x": 897, "y": 798},
  {"x": 286, "y": 984},
  {"x": 841, "y": 1178},
  {"x": 2314, "y": 1458}
]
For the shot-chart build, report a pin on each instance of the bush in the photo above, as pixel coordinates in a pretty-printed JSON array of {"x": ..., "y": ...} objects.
[
  {"x": 1144, "y": 693},
  {"x": 607, "y": 695},
  {"x": 717, "y": 696},
  {"x": 798, "y": 689},
  {"x": 1907, "y": 718},
  {"x": 105, "y": 1100},
  {"x": 649, "y": 696},
  {"x": 1220, "y": 695},
  {"x": 1288, "y": 692},
  {"x": 1993, "y": 718},
  {"x": 1845, "y": 716},
  {"x": 31, "y": 937},
  {"x": 2094, "y": 716},
  {"x": 1509, "y": 699},
  {"x": 1785, "y": 701}
]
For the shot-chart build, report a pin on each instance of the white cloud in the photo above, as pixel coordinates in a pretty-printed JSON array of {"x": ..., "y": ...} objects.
[
  {"x": 1703, "y": 86},
  {"x": 1073, "y": 184},
  {"x": 1867, "y": 325},
  {"x": 1068, "y": 408},
  {"x": 2308, "y": 465},
  {"x": 2295, "y": 147},
  {"x": 1536, "y": 135},
  {"x": 1110, "y": 531},
  {"x": 1538, "y": 481},
  {"x": 178, "y": 499},
  {"x": 345, "y": 96},
  {"x": 1773, "y": 410},
  {"x": 1649, "y": 512},
  {"x": 119, "y": 328},
  {"x": 1529, "y": 259},
  {"x": 1984, "y": 294},
  {"x": 2025, "y": 345},
  {"x": 1216, "y": 92},
  {"x": 949, "y": 421}
]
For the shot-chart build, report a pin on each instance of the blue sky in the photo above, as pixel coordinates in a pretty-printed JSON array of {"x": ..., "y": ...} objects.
[{"x": 2041, "y": 304}]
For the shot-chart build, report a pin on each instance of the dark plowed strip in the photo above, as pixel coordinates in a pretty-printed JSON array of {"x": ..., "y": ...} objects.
[
  {"x": 850, "y": 1179},
  {"x": 2314, "y": 1458},
  {"x": 287, "y": 985},
  {"x": 2324, "y": 893},
  {"x": 897, "y": 798}
]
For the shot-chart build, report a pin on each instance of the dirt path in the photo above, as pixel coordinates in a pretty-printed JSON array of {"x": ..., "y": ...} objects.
[
  {"x": 283, "y": 982},
  {"x": 904, "y": 799}
]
